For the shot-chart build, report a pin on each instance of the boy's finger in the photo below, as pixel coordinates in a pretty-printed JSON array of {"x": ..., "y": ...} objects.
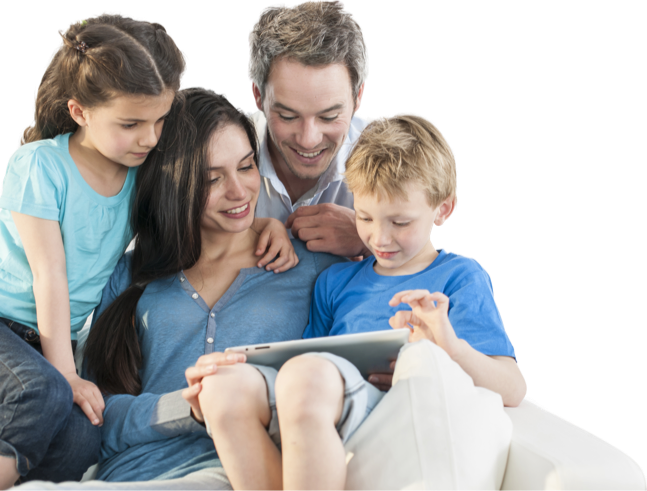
[{"x": 396, "y": 300}]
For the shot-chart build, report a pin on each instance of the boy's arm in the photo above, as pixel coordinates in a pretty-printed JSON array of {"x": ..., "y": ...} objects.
[{"x": 429, "y": 319}]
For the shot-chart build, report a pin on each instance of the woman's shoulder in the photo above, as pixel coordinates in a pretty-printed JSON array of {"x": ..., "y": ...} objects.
[{"x": 320, "y": 261}]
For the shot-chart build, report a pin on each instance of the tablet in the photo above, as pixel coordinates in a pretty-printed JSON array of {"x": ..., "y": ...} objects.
[{"x": 368, "y": 351}]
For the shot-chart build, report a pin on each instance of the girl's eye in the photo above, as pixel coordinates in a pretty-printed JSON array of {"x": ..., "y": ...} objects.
[
  {"x": 129, "y": 126},
  {"x": 287, "y": 118}
]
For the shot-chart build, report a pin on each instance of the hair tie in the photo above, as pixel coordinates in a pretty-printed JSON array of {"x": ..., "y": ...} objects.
[
  {"x": 140, "y": 285},
  {"x": 82, "y": 47}
]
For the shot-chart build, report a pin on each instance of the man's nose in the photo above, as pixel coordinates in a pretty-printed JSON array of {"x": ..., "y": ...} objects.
[{"x": 309, "y": 136}]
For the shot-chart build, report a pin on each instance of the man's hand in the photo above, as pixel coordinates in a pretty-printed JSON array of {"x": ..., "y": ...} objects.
[
  {"x": 88, "y": 397},
  {"x": 327, "y": 228},
  {"x": 205, "y": 366}
]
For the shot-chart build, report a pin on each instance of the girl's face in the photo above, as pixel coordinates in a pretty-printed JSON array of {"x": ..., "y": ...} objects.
[
  {"x": 127, "y": 128},
  {"x": 235, "y": 182}
]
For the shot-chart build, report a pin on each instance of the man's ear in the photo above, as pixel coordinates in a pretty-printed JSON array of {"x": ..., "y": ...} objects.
[
  {"x": 358, "y": 101},
  {"x": 445, "y": 210},
  {"x": 78, "y": 112},
  {"x": 257, "y": 96}
]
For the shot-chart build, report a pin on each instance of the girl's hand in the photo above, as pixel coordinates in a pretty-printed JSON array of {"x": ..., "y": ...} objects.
[
  {"x": 88, "y": 397},
  {"x": 274, "y": 234},
  {"x": 205, "y": 366},
  {"x": 427, "y": 319}
]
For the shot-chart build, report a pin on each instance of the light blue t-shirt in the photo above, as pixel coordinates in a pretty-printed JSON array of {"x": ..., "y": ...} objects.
[
  {"x": 43, "y": 181},
  {"x": 352, "y": 297}
]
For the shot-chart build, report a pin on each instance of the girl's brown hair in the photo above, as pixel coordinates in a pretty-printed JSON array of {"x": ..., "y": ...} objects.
[{"x": 101, "y": 58}]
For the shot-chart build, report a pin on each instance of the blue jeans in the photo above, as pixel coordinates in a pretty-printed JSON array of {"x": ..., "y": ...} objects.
[{"x": 40, "y": 426}]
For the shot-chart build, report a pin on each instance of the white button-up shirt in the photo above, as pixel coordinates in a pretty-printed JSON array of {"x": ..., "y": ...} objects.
[{"x": 274, "y": 200}]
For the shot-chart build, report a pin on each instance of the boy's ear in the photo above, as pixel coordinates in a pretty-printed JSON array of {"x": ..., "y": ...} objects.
[
  {"x": 78, "y": 112},
  {"x": 445, "y": 210}
]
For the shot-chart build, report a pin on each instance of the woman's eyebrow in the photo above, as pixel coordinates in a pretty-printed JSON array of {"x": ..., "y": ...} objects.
[{"x": 241, "y": 160}]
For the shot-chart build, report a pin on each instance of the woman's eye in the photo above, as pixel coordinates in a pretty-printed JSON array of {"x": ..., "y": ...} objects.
[
  {"x": 214, "y": 180},
  {"x": 246, "y": 168}
]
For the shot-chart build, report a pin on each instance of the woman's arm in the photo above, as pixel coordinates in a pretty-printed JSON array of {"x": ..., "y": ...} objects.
[{"x": 46, "y": 256}]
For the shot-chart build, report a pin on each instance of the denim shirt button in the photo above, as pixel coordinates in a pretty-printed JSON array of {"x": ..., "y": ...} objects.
[
  {"x": 210, "y": 340},
  {"x": 212, "y": 315},
  {"x": 194, "y": 296}
]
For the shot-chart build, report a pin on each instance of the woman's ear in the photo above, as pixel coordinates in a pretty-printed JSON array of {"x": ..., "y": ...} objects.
[{"x": 78, "y": 112}]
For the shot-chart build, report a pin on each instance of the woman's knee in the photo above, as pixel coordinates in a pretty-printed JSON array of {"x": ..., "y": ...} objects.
[{"x": 309, "y": 386}]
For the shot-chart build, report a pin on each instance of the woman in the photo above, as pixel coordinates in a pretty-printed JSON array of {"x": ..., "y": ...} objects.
[{"x": 191, "y": 286}]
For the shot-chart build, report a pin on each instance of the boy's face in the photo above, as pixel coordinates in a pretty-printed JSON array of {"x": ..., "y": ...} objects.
[{"x": 398, "y": 232}]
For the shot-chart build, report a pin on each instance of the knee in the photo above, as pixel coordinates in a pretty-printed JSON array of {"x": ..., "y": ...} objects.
[
  {"x": 309, "y": 387},
  {"x": 51, "y": 392},
  {"x": 233, "y": 392}
]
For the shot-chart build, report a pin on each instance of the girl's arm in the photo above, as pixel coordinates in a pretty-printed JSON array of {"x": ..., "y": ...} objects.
[
  {"x": 274, "y": 238},
  {"x": 46, "y": 256}
]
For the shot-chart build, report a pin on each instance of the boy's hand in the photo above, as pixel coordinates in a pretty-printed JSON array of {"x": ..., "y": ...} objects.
[
  {"x": 205, "y": 366},
  {"x": 427, "y": 318},
  {"x": 383, "y": 380},
  {"x": 88, "y": 397},
  {"x": 275, "y": 236}
]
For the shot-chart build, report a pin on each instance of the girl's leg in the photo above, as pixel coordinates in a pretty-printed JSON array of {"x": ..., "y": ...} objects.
[
  {"x": 35, "y": 407},
  {"x": 235, "y": 404},
  {"x": 8, "y": 473},
  {"x": 309, "y": 398}
]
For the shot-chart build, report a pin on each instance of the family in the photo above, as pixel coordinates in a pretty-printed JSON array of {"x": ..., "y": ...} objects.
[{"x": 301, "y": 221}]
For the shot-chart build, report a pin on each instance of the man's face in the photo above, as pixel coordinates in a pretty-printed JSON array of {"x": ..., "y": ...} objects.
[{"x": 308, "y": 112}]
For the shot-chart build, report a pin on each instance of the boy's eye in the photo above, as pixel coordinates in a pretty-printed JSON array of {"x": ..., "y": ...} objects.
[
  {"x": 401, "y": 224},
  {"x": 364, "y": 219}
]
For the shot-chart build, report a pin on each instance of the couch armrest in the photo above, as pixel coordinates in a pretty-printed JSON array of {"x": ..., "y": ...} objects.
[{"x": 549, "y": 453}]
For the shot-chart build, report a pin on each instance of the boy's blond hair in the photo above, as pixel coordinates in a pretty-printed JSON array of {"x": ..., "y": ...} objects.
[{"x": 393, "y": 152}]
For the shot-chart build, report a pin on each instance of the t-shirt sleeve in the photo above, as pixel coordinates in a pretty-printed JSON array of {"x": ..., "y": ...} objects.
[
  {"x": 33, "y": 185},
  {"x": 320, "y": 320},
  {"x": 475, "y": 317},
  {"x": 118, "y": 282}
]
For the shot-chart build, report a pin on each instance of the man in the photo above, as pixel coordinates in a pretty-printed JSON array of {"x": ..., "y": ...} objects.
[{"x": 308, "y": 66}]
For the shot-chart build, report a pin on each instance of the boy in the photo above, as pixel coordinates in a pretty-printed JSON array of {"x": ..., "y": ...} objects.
[{"x": 402, "y": 175}]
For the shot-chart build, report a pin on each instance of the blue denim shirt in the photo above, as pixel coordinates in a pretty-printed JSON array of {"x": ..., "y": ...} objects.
[{"x": 153, "y": 435}]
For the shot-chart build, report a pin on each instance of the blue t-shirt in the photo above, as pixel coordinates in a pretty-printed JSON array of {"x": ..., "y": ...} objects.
[
  {"x": 352, "y": 297},
  {"x": 43, "y": 181}
]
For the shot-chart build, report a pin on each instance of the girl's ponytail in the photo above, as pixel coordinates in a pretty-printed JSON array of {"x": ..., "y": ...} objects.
[{"x": 101, "y": 58}]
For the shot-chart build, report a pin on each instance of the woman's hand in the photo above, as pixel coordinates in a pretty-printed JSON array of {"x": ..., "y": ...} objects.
[
  {"x": 205, "y": 366},
  {"x": 275, "y": 240}
]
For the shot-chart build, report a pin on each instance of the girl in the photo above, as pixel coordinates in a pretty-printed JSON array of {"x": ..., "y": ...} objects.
[{"x": 64, "y": 224}]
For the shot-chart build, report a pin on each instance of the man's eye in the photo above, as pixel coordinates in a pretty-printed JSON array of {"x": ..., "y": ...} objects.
[
  {"x": 330, "y": 119},
  {"x": 287, "y": 118}
]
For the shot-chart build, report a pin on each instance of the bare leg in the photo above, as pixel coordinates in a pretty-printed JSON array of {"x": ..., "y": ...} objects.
[
  {"x": 234, "y": 402},
  {"x": 8, "y": 472},
  {"x": 310, "y": 397}
]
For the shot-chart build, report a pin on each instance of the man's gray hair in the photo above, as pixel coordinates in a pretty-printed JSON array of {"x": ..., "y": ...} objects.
[{"x": 313, "y": 34}]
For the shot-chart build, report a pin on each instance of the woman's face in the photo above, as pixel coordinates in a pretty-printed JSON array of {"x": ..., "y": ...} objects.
[{"x": 235, "y": 182}]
